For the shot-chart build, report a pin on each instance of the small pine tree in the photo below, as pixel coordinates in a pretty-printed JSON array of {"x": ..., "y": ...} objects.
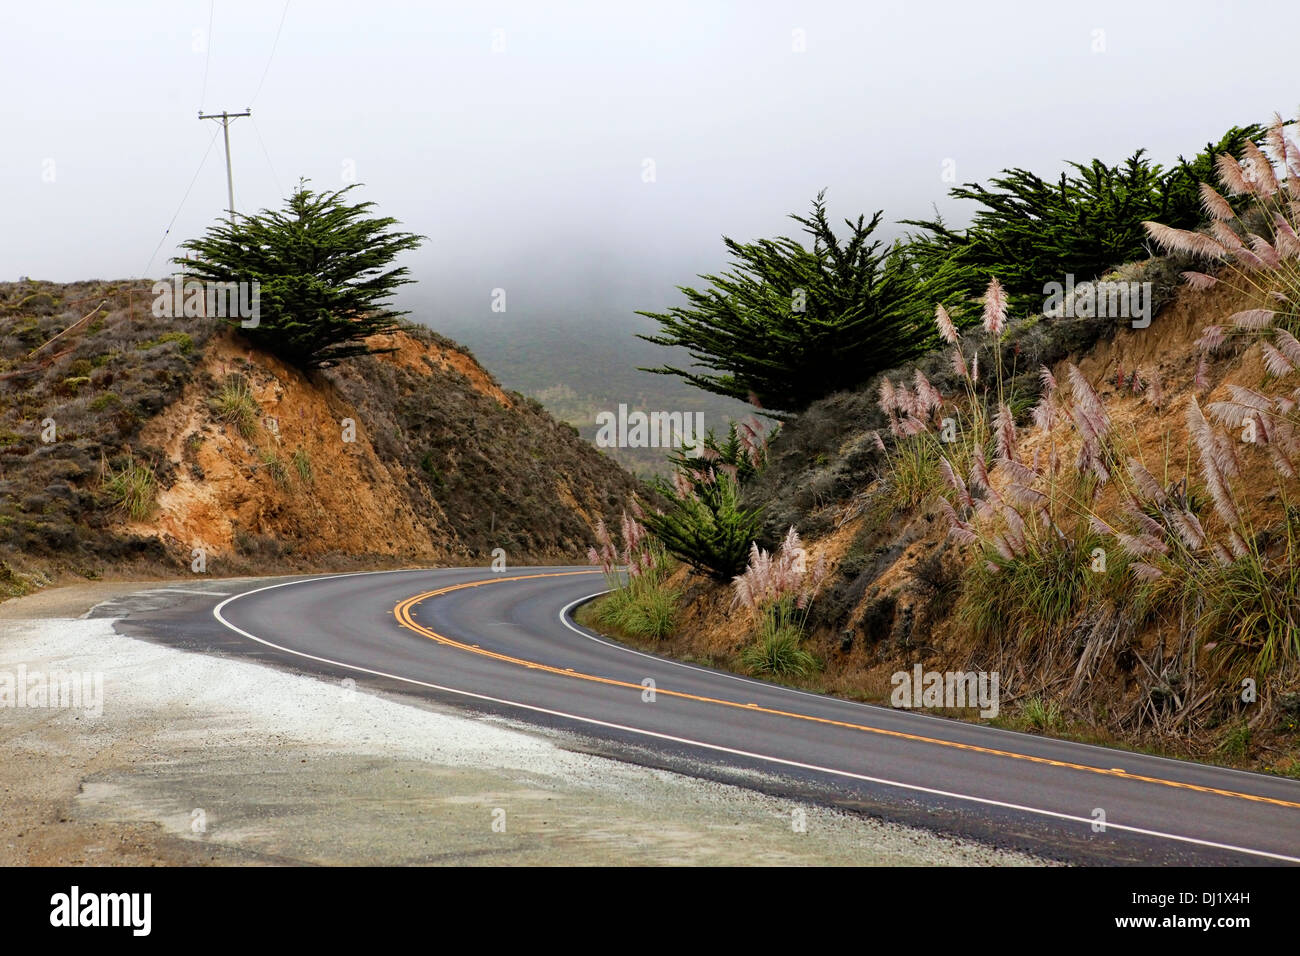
[{"x": 707, "y": 525}]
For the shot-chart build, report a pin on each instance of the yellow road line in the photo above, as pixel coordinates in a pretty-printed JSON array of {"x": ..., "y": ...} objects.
[{"x": 402, "y": 612}]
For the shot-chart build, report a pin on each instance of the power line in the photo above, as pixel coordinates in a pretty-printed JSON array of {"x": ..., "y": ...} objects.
[
  {"x": 225, "y": 118},
  {"x": 278, "y": 188},
  {"x": 274, "y": 44},
  {"x": 207, "y": 60},
  {"x": 195, "y": 179}
]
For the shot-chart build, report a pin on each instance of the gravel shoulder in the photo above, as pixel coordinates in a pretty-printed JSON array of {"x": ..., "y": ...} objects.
[{"x": 199, "y": 759}]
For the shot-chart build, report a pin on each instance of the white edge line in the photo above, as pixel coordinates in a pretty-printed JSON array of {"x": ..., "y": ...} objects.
[
  {"x": 216, "y": 612},
  {"x": 946, "y": 721}
]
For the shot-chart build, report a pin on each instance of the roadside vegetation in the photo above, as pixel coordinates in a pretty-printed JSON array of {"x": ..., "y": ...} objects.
[
  {"x": 706, "y": 524},
  {"x": 987, "y": 487},
  {"x": 778, "y": 591},
  {"x": 640, "y": 603},
  {"x": 132, "y": 487}
]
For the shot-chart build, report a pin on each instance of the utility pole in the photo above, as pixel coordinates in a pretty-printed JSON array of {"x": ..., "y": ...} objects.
[{"x": 225, "y": 129}]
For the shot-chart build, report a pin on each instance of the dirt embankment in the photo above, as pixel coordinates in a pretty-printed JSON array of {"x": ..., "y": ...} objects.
[
  {"x": 240, "y": 463},
  {"x": 303, "y": 478}
]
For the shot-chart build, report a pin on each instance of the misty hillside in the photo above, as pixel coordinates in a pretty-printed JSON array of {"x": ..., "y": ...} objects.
[
  {"x": 132, "y": 441},
  {"x": 578, "y": 365}
]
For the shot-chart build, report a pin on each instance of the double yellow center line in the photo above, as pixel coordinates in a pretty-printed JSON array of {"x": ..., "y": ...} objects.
[{"x": 405, "y": 609}]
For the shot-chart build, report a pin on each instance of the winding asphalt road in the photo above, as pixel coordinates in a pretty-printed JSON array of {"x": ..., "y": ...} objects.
[{"x": 504, "y": 644}]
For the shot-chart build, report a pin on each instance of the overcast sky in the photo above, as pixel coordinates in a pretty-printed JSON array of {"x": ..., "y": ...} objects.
[{"x": 516, "y": 135}]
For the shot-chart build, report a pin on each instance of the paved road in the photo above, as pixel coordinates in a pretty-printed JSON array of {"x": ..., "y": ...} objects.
[{"x": 503, "y": 644}]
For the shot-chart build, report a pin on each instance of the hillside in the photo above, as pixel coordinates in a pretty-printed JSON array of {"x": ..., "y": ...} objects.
[
  {"x": 580, "y": 366},
  {"x": 1116, "y": 655},
  {"x": 133, "y": 442}
]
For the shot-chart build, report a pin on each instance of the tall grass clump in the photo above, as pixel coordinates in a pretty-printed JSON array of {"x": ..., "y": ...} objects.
[
  {"x": 933, "y": 436},
  {"x": 1035, "y": 564},
  {"x": 274, "y": 466},
  {"x": 1093, "y": 536},
  {"x": 235, "y": 405},
  {"x": 302, "y": 465},
  {"x": 1237, "y": 578},
  {"x": 640, "y": 603},
  {"x": 132, "y": 487},
  {"x": 778, "y": 591}
]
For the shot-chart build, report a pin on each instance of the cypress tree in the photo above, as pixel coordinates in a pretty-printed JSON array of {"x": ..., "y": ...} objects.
[{"x": 322, "y": 266}]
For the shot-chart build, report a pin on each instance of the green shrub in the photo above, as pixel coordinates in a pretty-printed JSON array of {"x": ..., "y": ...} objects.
[
  {"x": 743, "y": 454},
  {"x": 183, "y": 340},
  {"x": 708, "y": 527},
  {"x": 72, "y": 385},
  {"x": 1236, "y": 742}
]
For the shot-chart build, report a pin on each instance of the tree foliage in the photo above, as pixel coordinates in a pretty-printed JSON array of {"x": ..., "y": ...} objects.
[
  {"x": 710, "y": 529},
  {"x": 707, "y": 525},
  {"x": 789, "y": 323},
  {"x": 323, "y": 268},
  {"x": 1028, "y": 230}
]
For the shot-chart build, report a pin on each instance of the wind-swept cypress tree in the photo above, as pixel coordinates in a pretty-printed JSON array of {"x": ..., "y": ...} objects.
[
  {"x": 321, "y": 264},
  {"x": 789, "y": 324},
  {"x": 1028, "y": 230}
]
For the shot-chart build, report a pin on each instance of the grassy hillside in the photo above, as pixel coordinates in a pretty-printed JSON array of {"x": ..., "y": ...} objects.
[
  {"x": 1099, "y": 506},
  {"x": 131, "y": 441},
  {"x": 1102, "y": 656}
]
